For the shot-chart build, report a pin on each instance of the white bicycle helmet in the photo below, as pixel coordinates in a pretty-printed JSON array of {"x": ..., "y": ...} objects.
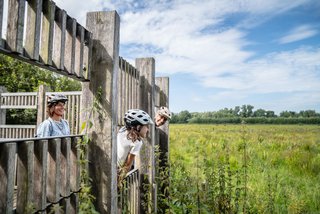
[
  {"x": 136, "y": 117},
  {"x": 164, "y": 111},
  {"x": 54, "y": 98}
]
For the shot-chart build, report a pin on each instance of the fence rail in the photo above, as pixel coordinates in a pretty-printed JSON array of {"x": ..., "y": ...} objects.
[
  {"x": 17, "y": 131},
  {"x": 29, "y": 100},
  {"x": 53, "y": 40},
  {"x": 38, "y": 173},
  {"x": 26, "y": 100}
]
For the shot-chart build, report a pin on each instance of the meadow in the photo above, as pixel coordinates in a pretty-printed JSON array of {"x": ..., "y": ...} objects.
[{"x": 244, "y": 168}]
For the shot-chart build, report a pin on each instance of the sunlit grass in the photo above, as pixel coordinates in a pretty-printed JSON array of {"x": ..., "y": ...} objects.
[{"x": 283, "y": 163}]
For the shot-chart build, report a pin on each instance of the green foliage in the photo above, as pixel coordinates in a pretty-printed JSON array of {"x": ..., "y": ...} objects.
[
  {"x": 18, "y": 76},
  {"x": 86, "y": 199},
  {"x": 246, "y": 114},
  {"x": 244, "y": 169}
]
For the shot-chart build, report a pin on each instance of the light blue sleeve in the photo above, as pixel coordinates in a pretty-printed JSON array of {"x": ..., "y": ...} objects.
[
  {"x": 44, "y": 129},
  {"x": 67, "y": 127}
]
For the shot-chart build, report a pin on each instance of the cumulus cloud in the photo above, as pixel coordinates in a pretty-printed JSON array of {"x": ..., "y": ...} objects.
[{"x": 201, "y": 39}]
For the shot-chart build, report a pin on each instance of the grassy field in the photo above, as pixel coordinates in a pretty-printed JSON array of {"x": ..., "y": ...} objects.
[{"x": 245, "y": 168}]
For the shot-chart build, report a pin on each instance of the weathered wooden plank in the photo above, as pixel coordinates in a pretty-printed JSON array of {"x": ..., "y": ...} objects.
[
  {"x": 40, "y": 174},
  {"x": 105, "y": 63},
  {"x": 65, "y": 167},
  {"x": 130, "y": 87},
  {"x": 78, "y": 114},
  {"x": 32, "y": 42},
  {"x": 16, "y": 10},
  {"x": 65, "y": 173},
  {"x": 79, "y": 51},
  {"x": 7, "y": 172},
  {"x": 25, "y": 176},
  {"x": 70, "y": 45},
  {"x": 74, "y": 174},
  {"x": 126, "y": 85},
  {"x": 146, "y": 66},
  {"x": 47, "y": 32},
  {"x": 54, "y": 173},
  {"x": 87, "y": 57},
  {"x": 1, "y": 20},
  {"x": 59, "y": 38},
  {"x": 73, "y": 113}
]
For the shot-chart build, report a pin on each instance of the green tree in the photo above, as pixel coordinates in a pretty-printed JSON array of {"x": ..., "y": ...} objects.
[
  {"x": 184, "y": 116},
  {"x": 259, "y": 113},
  {"x": 236, "y": 111},
  {"x": 270, "y": 114},
  {"x": 18, "y": 76}
]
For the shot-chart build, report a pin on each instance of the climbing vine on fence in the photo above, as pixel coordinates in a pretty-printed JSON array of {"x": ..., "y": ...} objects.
[{"x": 86, "y": 198}]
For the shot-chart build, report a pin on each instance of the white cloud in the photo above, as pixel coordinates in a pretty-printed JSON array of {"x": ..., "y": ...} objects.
[
  {"x": 78, "y": 9},
  {"x": 299, "y": 33},
  {"x": 190, "y": 37},
  {"x": 297, "y": 70}
]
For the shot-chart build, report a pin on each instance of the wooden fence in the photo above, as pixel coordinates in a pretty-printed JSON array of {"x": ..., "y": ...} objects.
[
  {"x": 53, "y": 40},
  {"x": 128, "y": 89},
  {"x": 56, "y": 42},
  {"x": 129, "y": 193},
  {"x": 37, "y": 173},
  {"x": 30, "y": 100}
]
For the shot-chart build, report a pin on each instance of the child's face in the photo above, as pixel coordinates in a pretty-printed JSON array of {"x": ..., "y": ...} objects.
[
  {"x": 59, "y": 108},
  {"x": 143, "y": 131},
  {"x": 160, "y": 120}
]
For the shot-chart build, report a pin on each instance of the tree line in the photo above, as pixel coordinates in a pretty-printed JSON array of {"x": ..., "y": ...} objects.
[{"x": 247, "y": 114}]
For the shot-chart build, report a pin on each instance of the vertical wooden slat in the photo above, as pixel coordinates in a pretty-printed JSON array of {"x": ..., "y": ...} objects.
[
  {"x": 78, "y": 115},
  {"x": 25, "y": 175},
  {"x": 59, "y": 38},
  {"x": 130, "y": 87},
  {"x": 126, "y": 85},
  {"x": 65, "y": 173},
  {"x": 53, "y": 184},
  {"x": 47, "y": 31},
  {"x": 15, "y": 25},
  {"x": 72, "y": 122},
  {"x": 7, "y": 171},
  {"x": 1, "y": 20},
  {"x": 86, "y": 55},
  {"x": 33, "y": 25},
  {"x": 70, "y": 45},
  {"x": 79, "y": 50},
  {"x": 119, "y": 91},
  {"x": 74, "y": 173},
  {"x": 40, "y": 173}
]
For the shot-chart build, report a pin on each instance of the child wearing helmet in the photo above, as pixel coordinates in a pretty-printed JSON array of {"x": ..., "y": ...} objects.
[
  {"x": 162, "y": 115},
  {"x": 54, "y": 125},
  {"x": 129, "y": 138}
]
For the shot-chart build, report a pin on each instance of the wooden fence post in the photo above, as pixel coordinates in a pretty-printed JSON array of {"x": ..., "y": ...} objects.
[
  {"x": 103, "y": 87},
  {"x": 162, "y": 140},
  {"x": 146, "y": 66},
  {"x": 2, "y": 111},
  {"x": 42, "y": 104}
]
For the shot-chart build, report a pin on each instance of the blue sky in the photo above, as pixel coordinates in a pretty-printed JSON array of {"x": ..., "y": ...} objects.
[{"x": 223, "y": 53}]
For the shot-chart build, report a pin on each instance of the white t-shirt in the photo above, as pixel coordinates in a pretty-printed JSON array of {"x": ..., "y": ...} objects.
[{"x": 126, "y": 147}]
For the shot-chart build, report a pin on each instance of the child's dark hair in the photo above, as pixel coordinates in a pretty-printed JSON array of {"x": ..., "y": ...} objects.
[{"x": 133, "y": 133}]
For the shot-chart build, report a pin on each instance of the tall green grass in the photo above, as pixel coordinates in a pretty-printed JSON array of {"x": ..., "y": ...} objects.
[{"x": 244, "y": 169}]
